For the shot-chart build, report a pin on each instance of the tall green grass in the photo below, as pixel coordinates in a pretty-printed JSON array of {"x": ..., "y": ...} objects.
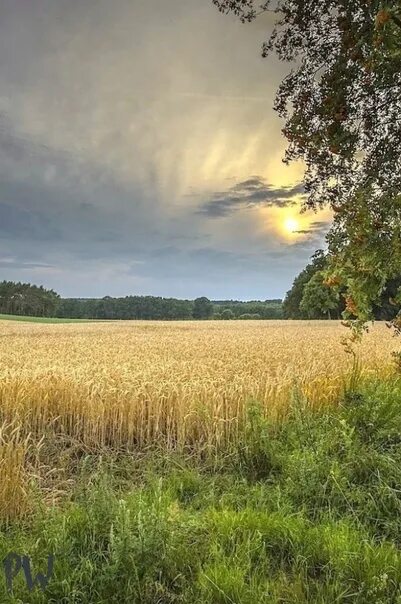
[{"x": 306, "y": 510}]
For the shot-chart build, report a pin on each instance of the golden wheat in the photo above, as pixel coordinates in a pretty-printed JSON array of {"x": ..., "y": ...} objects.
[
  {"x": 128, "y": 384},
  {"x": 13, "y": 475},
  {"x": 134, "y": 384}
]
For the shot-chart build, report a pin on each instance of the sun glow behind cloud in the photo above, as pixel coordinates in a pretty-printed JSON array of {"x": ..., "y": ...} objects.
[
  {"x": 126, "y": 141},
  {"x": 291, "y": 224}
]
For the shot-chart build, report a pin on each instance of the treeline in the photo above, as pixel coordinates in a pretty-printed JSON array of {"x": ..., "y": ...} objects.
[
  {"x": 255, "y": 309},
  {"x": 33, "y": 300},
  {"x": 153, "y": 307},
  {"x": 312, "y": 297},
  {"x": 129, "y": 307},
  {"x": 26, "y": 299}
]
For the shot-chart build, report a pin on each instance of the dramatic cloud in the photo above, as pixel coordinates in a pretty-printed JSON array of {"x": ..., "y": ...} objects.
[
  {"x": 249, "y": 193},
  {"x": 118, "y": 122}
]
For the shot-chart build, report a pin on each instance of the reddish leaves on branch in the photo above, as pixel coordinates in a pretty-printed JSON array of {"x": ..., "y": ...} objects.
[
  {"x": 382, "y": 17},
  {"x": 350, "y": 305}
]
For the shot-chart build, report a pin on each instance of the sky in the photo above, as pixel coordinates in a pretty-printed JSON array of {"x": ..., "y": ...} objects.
[{"x": 140, "y": 153}]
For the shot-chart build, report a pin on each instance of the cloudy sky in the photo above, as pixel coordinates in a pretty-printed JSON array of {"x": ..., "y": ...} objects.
[{"x": 139, "y": 153}]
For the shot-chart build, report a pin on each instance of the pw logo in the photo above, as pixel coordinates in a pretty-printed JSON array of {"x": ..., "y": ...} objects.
[{"x": 12, "y": 565}]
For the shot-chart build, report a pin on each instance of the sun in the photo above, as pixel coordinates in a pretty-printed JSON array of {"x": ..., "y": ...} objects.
[{"x": 291, "y": 225}]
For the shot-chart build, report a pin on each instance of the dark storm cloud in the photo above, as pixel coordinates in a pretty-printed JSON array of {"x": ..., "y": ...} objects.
[
  {"x": 53, "y": 201},
  {"x": 250, "y": 193}
]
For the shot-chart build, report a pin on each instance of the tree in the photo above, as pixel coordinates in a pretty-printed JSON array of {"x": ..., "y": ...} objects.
[
  {"x": 27, "y": 299},
  {"x": 203, "y": 308},
  {"x": 268, "y": 309},
  {"x": 365, "y": 251},
  {"x": 385, "y": 308},
  {"x": 318, "y": 298},
  {"x": 227, "y": 314},
  {"x": 341, "y": 104},
  {"x": 292, "y": 301}
]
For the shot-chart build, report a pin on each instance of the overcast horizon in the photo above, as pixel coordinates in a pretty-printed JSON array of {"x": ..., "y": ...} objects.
[{"x": 140, "y": 153}]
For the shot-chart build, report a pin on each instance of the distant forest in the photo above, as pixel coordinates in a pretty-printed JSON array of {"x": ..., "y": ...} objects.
[
  {"x": 310, "y": 297},
  {"x": 152, "y": 307},
  {"x": 32, "y": 300}
]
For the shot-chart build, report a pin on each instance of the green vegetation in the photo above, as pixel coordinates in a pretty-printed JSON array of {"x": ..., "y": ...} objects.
[
  {"x": 26, "y": 300},
  {"x": 40, "y": 319},
  {"x": 227, "y": 314},
  {"x": 303, "y": 510},
  {"x": 154, "y": 308},
  {"x": 202, "y": 308},
  {"x": 314, "y": 295},
  {"x": 318, "y": 297},
  {"x": 129, "y": 307},
  {"x": 253, "y": 309}
]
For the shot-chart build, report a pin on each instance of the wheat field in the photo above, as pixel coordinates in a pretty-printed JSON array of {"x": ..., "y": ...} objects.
[{"x": 128, "y": 385}]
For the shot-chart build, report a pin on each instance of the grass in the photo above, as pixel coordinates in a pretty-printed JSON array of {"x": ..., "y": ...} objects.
[
  {"x": 303, "y": 510},
  {"x": 5, "y": 317},
  {"x": 202, "y": 462}
]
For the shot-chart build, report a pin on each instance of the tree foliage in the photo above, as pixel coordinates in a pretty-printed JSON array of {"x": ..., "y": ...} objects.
[
  {"x": 203, "y": 308},
  {"x": 318, "y": 297},
  {"x": 129, "y": 307},
  {"x": 365, "y": 246},
  {"x": 26, "y": 299},
  {"x": 292, "y": 305},
  {"x": 156, "y": 307},
  {"x": 341, "y": 104},
  {"x": 267, "y": 309},
  {"x": 314, "y": 295}
]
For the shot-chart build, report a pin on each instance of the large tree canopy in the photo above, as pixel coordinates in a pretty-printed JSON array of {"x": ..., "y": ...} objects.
[{"x": 341, "y": 103}]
